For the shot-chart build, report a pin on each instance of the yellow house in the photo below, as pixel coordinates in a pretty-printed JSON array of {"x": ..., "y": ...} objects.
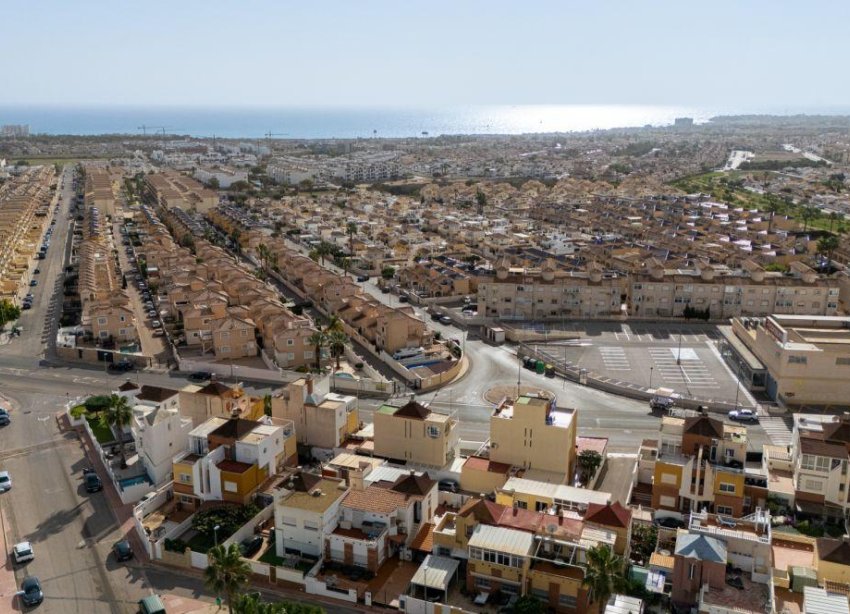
[
  {"x": 535, "y": 434},
  {"x": 415, "y": 434},
  {"x": 483, "y": 475},
  {"x": 558, "y": 586},
  {"x": 239, "y": 481},
  {"x": 498, "y": 559}
]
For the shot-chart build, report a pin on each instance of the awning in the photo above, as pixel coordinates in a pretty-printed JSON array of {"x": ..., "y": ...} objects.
[{"x": 436, "y": 572}]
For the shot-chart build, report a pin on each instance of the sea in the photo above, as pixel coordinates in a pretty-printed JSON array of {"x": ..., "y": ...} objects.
[
  {"x": 338, "y": 122},
  {"x": 357, "y": 122}
]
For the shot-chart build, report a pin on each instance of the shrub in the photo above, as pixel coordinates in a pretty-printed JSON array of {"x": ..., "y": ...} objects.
[
  {"x": 97, "y": 403},
  {"x": 78, "y": 412},
  {"x": 175, "y": 545},
  {"x": 358, "y": 365}
]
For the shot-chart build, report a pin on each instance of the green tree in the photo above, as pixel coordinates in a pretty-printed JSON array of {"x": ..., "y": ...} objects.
[
  {"x": 827, "y": 245},
  {"x": 481, "y": 200},
  {"x": 388, "y": 272},
  {"x": 336, "y": 342},
  {"x": 318, "y": 340},
  {"x": 589, "y": 461},
  {"x": 267, "y": 405},
  {"x": 809, "y": 214},
  {"x": 644, "y": 540},
  {"x": 116, "y": 416},
  {"x": 334, "y": 324},
  {"x": 9, "y": 312},
  {"x": 227, "y": 573},
  {"x": 213, "y": 183},
  {"x": 529, "y": 604},
  {"x": 604, "y": 574},
  {"x": 351, "y": 230}
]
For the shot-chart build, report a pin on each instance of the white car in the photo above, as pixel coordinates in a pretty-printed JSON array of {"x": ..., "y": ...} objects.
[
  {"x": 5, "y": 481},
  {"x": 743, "y": 415},
  {"x": 23, "y": 552}
]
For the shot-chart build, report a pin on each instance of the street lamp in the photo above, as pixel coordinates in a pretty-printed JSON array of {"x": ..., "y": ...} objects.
[
  {"x": 679, "y": 351},
  {"x": 650, "y": 377},
  {"x": 215, "y": 534}
]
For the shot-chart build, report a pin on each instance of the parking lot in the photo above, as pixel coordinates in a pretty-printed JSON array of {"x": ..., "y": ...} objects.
[{"x": 680, "y": 356}]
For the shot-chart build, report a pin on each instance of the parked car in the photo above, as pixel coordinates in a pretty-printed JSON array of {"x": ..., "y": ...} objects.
[
  {"x": 152, "y": 313},
  {"x": 448, "y": 485},
  {"x": 251, "y": 546},
  {"x": 5, "y": 418},
  {"x": 23, "y": 553},
  {"x": 93, "y": 483},
  {"x": 5, "y": 481},
  {"x": 26, "y": 305},
  {"x": 403, "y": 299},
  {"x": 436, "y": 317},
  {"x": 200, "y": 376},
  {"x": 122, "y": 550},
  {"x": 670, "y": 523},
  {"x": 743, "y": 415},
  {"x": 156, "y": 323},
  {"x": 122, "y": 366},
  {"x": 445, "y": 320},
  {"x": 362, "y": 278},
  {"x": 31, "y": 594},
  {"x": 33, "y": 283},
  {"x": 36, "y": 271}
]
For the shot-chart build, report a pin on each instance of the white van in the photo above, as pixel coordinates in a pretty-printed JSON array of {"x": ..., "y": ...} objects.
[{"x": 408, "y": 353}]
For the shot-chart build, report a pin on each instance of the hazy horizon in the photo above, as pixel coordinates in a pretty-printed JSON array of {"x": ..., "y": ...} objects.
[{"x": 386, "y": 54}]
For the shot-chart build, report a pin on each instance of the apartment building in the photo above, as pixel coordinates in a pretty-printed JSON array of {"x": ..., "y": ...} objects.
[
  {"x": 159, "y": 429},
  {"x": 224, "y": 176},
  {"x": 796, "y": 359},
  {"x": 322, "y": 419},
  {"x": 517, "y": 293},
  {"x": 435, "y": 278},
  {"x": 229, "y": 459},
  {"x": 725, "y": 293},
  {"x": 414, "y": 434},
  {"x": 524, "y": 432},
  {"x": 171, "y": 189},
  {"x": 698, "y": 463},
  {"x": 216, "y": 399},
  {"x": 306, "y": 512}
]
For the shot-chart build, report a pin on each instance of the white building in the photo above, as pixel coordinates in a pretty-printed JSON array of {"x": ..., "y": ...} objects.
[
  {"x": 306, "y": 512},
  {"x": 225, "y": 176}
]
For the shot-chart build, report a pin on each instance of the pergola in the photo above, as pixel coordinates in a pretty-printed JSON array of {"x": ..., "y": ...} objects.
[{"x": 434, "y": 575}]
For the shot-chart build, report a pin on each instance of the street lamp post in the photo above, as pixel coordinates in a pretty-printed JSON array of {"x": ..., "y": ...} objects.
[
  {"x": 650, "y": 377},
  {"x": 215, "y": 534},
  {"x": 679, "y": 351}
]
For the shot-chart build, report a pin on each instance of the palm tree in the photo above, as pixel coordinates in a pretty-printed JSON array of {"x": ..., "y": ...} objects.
[
  {"x": 827, "y": 245},
  {"x": 264, "y": 253},
  {"x": 318, "y": 340},
  {"x": 604, "y": 574},
  {"x": 833, "y": 215},
  {"x": 334, "y": 324},
  {"x": 809, "y": 213},
  {"x": 227, "y": 572},
  {"x": 351, "y": 230},
  {"x": 336, "y": 342},
  {"x": 252, "y": 604},
  {"x": 116, "y": 416}
]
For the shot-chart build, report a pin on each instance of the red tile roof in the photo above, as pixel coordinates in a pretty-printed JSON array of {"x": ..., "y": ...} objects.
[
  {"x": 597, "y": 444},
  {"x": 478, "y": 463},
  {"x": 611, "y": 515}
]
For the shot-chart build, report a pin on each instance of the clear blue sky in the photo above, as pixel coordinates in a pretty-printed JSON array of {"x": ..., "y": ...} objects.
[{"x": 750, "y": 54}]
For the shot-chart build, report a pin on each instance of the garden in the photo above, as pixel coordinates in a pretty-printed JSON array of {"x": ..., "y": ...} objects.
[{"x": 228, "y": 519}]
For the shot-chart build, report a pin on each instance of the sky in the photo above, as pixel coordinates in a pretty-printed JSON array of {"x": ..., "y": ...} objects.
[{"x": 742, "y": 53}]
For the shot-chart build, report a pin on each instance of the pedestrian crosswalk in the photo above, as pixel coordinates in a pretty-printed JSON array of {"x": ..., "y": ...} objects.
[
  {"x": 689, "y": 370},
  {"x": 777, "y": 429},
  {"x": 614, "y": 359}
]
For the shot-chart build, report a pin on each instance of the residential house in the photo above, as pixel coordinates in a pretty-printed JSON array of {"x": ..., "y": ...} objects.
[
  {"x": 415, "y": 434},
  {"x": 322, "y": 419},
  {"x": 306, "y": 512}
]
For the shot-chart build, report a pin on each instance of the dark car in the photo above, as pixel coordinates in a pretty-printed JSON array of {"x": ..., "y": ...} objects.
[
  {"x": 249, "y": 547},
  {"x": 200, "y": 376},
  {"x": 122, "y": 366},
  {"x": 403, "y": 299},
  {"x": 33, "y": 283},
  {"x": 436, "y": 317},
  {"x": 31, "y": 594},
  {"x": 445, "y": 320},
  {"x": 5, "y": 418},
  {"x": 362, "y": 278},
  {"x": 93, "y": 483},
  {"x": 448, "y": 485},
  {"x": 36, "y": 271},
  {"x": 123, "y": 551}
]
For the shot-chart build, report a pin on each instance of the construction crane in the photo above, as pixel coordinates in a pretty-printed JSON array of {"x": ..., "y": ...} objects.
[
  {"x": 270, "y": 134},
  {"x": 145, "y": 129}
]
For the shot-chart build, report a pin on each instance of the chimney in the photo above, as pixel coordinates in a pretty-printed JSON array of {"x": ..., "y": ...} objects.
[
  {"x": 355, "y": 479},
  {"x": 310, "y": 384}
]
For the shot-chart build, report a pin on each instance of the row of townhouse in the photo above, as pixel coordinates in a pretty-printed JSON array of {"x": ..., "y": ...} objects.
[
  {"x": 385, "y": 328},
  {"x": 99, "y": 189},
  {"x": 436, "y": 278},
  {"x": 552, "y": 292},
  {"x": 106, "y": 316},
  {"x": 222, "y": 307},
  {"x": 24, "y": 215},
  {"x": 172, "y": 189}
]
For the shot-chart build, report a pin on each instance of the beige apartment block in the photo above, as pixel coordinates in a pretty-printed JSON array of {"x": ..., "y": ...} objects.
[
  {"x": 750, "y": 291},
  {"x": 171, "y": 189},
  {"x": 322, "y": 419},
  {"x": 111, "y": 319},
  {"x": 415, "y": 434},
  {"x": 805, "y": 359},
  {"x": 233, "y": 337},
  {"x": 100, "y": 190},
  {"x": 535, "y": 434}
]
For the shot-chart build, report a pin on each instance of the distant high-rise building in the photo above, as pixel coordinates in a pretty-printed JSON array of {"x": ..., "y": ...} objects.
[
  {"x": 683, "y": 122},
  {"x": 15, "y": 130}
]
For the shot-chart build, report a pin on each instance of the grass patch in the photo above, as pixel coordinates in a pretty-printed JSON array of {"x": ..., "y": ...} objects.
[
  {"x": 201, "y": 543},
  {"x": 101, "y": 433}
]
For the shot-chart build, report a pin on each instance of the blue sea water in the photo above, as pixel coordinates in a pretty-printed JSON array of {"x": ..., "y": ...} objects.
[{"x": 337, "y": 122}]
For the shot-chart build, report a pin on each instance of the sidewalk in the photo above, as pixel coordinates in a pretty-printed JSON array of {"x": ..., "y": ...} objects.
[{"x": 8, "y": 584}]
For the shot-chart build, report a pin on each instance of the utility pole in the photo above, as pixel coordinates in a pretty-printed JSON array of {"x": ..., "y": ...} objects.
[{"x": 679, "y": 351}]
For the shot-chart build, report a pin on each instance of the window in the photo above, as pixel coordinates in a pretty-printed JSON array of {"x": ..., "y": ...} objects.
[
  {"x": 102, "y": 321},
  {"x": 843, "y": 360},
  {"x": 568, "y": 601},
  {"x": 811, "y": 462},
  {"x": 433, "y": 431},
  {"x": 225, "y": 349},
  {"x": 231, "y": 486},
  {"x": 185, "y": 478},
  {"x": 541, "y": 594},
  {"x": 668, "y": 478},
  {"x": 290, "y": 342},
  {"x": 521, "y": 505},
  {"x": 666, "y": 501},
  {"x": 727, "y": 487},
  {"x": 692, "y": 571},
  {"x": 540, "y": 506},
  {"x": 813, "y": 485},
  {"x": 724, "y": 509},
  {"x": 289, "y": 521},
  {"x": 186, "y": 499},
  {"x": 797, "y": 360},
  {"x": 311, "y": 525},
  {"x": 482, "y": 583}
]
